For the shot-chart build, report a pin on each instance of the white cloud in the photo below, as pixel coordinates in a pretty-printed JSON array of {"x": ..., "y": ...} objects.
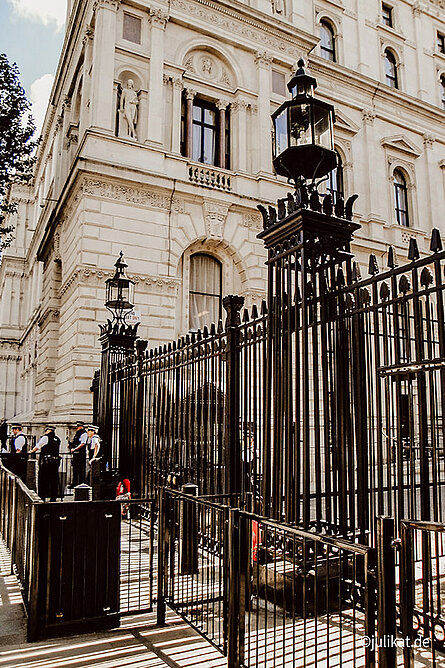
[
  {"x": 44, "y": 11},
  {"x": 39, "y": 96}
]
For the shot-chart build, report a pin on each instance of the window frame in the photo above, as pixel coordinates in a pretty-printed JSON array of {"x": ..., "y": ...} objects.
[
  {"x": 218, "y": 262},
  {"x": 440, "y": 42},
  {"x": 204, "y": 105},
  {"x": 387, "y": 15},
  {"x": 389, "y": 57},
  {"x": 401, "y": 213},
  {"x": 331, "y": 51},
  {"x": 131, "y": 16},
  {"x": 442, "y": 90}
]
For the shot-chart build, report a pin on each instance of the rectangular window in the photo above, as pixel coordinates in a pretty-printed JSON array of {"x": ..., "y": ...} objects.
[
  {"x": 387, "y": 15},
  {"x": 278, "y": 83},
  {"x": 206, "y": 128},
  {"x": 132, "y": 28},
  {"x": 440, "y": 42}
]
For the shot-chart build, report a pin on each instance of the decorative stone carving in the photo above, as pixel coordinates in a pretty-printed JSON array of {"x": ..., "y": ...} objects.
[
  {"x": 129, "y": 108},
  {"x": 159, "y": 18},
  {"x": 223, "y": 18},
  {"x": 239, "y": 105},
  {"x": 368, "y": 115},
  {"x": 97, "y": 278},
  {"x": 110, "y": 4},
  {"x": 177, "y": 83},
  {"x": 208, "y": 66},
  {"x": 190, "y": 93},
  {"x": 278, "y": 6},
  {"x": 215, "y": 215},
  {"x": 428, "y": 139},
  {"x": 253, "y": 221},
  {"x": 139, "y": 195},
  {"x": 263, "y": 58}
]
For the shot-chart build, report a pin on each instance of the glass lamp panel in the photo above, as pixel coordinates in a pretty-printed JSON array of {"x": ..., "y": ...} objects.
[
  {"x": 300, "y": 125},
  {"x": 322, "y": 127},
  {"x": 281, "y": 132}
]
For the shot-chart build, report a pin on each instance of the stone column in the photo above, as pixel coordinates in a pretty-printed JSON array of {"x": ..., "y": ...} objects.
[
  {"x": 156, "y": 83},
  {"x": 176, "y": 116},
  {"x": 430, "y": 168},
  {"x": 86, "y": 80},
  {"x": 372, "y": 188},
  {"x": 263, "y": 62},
  {"x": 189, "y": 94},
  {"x": 239, "y": 143},
  {"x": 222, "y": 106},
  {"x": 101, "y": 99},
  {"x": 417, "y": 14}
]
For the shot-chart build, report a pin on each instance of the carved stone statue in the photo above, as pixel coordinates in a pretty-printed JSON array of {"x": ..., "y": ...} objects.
[
  {"x": 278, "y": 6},
  {"x": 129, "y": 108}
]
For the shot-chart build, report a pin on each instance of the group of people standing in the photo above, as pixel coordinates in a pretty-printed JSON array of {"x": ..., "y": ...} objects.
[{"x": 86, "y": 442}]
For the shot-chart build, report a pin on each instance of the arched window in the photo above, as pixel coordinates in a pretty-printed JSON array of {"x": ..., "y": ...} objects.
[
  {"x": 442, "y": 90},
  {"x": 327, "y": 41},
  {"x": 335, "y": 180},
  {"x": 391, "y": 70},
  {"x": 401, "y": 198},
  {"x": 205, "y": 291}
]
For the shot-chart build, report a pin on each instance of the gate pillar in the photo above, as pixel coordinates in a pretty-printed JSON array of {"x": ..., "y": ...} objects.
[{"x": 309, "y": 384}]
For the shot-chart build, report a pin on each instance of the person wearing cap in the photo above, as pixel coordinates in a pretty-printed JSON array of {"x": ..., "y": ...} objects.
[
  {"x": 48, "y": 445},
  {"x": 78, "y": 448},
  {"x": 19, "y": 447},
  {"x": 93, "y": 442}
]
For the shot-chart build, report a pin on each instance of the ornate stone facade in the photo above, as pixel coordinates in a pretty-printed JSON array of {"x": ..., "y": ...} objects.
[{"x": 99, "y": 189}]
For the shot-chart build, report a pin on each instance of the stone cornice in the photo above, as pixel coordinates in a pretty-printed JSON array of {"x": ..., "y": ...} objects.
[
  {"x": 233, "y": 18},
  {"x": 85, "y": 275}
]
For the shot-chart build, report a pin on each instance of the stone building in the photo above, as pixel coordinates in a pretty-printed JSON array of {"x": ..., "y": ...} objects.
[{"x": 157, "y": 141}]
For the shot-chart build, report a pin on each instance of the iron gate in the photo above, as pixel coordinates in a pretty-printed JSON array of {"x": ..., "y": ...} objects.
[{"x": 137, "y": 556}]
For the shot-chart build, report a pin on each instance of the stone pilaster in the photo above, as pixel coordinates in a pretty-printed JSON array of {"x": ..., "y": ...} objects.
[
  {"x": 158, "y": 21},
  {"x": 101, "y": 100},
  {"x": 263, "y": 61}
]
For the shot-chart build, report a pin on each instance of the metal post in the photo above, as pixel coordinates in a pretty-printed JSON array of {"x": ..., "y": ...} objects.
[
  {"x": 83, "y": 493},
  {"x": 406, "y": 592},
  {"x": 232, "y": 441},
  {"x": 31, "y": 474},
  {"x": 162, "y": 559},
  {"x": 188, "y": 532},
  {"x": 95, "y": 479},
  {"x": 232, "y": 593},
  {"x": 386, "y": 592}
]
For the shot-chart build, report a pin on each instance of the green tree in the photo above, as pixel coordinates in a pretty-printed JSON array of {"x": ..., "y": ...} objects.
[{"x": 17, "y": 148}]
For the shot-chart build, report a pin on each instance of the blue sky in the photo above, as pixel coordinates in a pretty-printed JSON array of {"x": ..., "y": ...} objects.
[{"x": 31, "y": 34}]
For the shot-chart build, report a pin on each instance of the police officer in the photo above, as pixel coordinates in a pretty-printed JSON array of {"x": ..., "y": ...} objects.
[
  {"x": 49, "y": 445},
  {"x": 19, "y": 448},
  {"x": 93, "y": 445},
  {"x": 78, "y": 448}
]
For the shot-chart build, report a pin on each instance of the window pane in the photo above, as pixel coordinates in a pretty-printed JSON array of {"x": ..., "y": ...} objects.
[
  {"x": 390, "y": 69},
  {"x": 209, "y": 117},
  {"x": 132, "y": 28},
  {"x": 327, "y": 42},
  {"x": 300, "y": 126},
  {"x": 197, "y": 112},
  {"x": 209, "y": 146},
  {"x": 196, "y": 147},
  {"x": 278, "y": 83},
  {"x": 387, "y": 15},
  {"x": 205, "y": 291}
]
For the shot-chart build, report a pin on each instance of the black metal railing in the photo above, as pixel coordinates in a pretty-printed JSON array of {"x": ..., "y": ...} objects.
[
  {"x": 137, "y": 555},
  {"x": 422, "y": 592}
]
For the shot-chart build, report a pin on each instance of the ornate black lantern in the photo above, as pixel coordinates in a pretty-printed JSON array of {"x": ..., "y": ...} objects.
[
  {"x": 304, "y": 145},
  {"x": 119, "y": 291}
]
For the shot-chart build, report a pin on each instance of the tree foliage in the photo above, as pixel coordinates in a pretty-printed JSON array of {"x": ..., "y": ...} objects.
[{"x": 17, "y": 148}]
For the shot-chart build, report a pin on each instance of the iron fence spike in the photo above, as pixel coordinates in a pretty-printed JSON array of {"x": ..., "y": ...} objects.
[
  {"x": 436, "y": 241},
  {"x": 413, "y": 252},
  {"x": 373, "y": 268}
]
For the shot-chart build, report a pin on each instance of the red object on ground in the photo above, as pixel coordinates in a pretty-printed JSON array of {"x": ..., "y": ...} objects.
[{"x": 255, "y": 539}]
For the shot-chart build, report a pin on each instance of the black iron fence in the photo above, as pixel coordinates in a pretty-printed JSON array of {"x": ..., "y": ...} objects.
[
  {"x": 422, "y": 592},
  {"x": 263, "y": 593},
  {"x": 328, "y": 409},
  {"x": 80, "y": 565}
]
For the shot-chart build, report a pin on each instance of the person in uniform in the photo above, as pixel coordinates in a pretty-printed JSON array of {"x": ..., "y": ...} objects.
[
  {"x": 19, "y": 447},
  {"x": 3, "y": 436},
  {"x": 93, "y": 445},
  {"x": 49, "y": 445},
  {"x": 78, "y": 448}
]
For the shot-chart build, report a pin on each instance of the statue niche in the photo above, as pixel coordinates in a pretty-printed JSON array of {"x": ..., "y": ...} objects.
[{"x": 128, "y": 108}]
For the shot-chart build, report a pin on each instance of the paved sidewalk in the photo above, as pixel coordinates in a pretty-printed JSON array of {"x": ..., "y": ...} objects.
[{"x": 138, "y": 643}]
